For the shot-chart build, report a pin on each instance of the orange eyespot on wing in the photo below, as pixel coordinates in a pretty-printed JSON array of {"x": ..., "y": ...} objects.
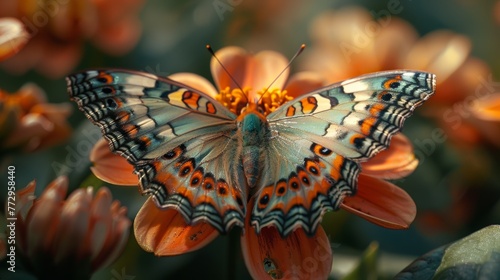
[
  {"x": 281, "y": 188},
  {"x": 367, "y": 125},
  {"x": 290, "y": 112},
  {"x": 309, "y": 104},
  {"x": 265, "y": 196},
  {"x": 104, "y": 77},
  {"x": 190, "y": 99},
  {"x": 376, "y": 109},
  {"x": 211, "y": 108},
  {"x": 123, "y": 117},
  {"x": 393, "y": 83}
]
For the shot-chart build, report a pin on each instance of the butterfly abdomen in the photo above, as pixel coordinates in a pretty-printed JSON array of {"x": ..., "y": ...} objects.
[{"x": 253, "y": 133}]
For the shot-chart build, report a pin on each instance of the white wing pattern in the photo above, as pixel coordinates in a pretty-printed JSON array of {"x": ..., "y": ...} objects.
[{"x": 187, "y": 148}]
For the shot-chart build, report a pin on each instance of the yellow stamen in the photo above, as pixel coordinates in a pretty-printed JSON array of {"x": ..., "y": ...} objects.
[
  {"x": 235, "y": 99},
  {"x": 273, "y": 99}
]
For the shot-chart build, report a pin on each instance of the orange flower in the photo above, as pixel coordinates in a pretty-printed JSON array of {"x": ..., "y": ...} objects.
[
  {"x": 62, "y": 239},
  {"x": 486, "y": 114},
  {"x": 29, "y": 123},
  {"x": 165, "y": 232},
  {"x": 349, "y": 42},
  {"x": 13, "y": 36},
  {"x": 496, "y": 12},
  {"x": 58, "y": 28}
]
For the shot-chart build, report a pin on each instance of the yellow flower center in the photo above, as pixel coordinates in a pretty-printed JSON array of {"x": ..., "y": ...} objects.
[
  {"x": 236, "y": 99},
  {"x": 271, "y": 100}
]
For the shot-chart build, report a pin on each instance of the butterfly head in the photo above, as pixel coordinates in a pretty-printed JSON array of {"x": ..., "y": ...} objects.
[{"x": 254, "y": 110}]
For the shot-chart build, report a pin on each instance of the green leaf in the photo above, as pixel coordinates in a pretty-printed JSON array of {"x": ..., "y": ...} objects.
[
  {"x": 367, "y": 267},
  {"x": 92, "y": 181},
  {"x": 476, "y": 256}
]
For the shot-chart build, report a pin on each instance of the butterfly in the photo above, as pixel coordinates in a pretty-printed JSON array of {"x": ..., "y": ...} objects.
[{"x": 194, "y": 155}]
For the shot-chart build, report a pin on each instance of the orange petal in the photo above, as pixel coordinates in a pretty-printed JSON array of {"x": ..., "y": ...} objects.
[
  {"x": 57, "y": 114},
  {"x": 24, "y": 199},
  {"x": 111, "y": 168},
  {"x": 117, "y": 243},
  {"x": 74, "y": 222},
  {"x": 265, "y": 69},
  {"x": 59, "y": 60},
  {"x": 29, "y": 132},
  {"x": 440, "y": 52},
  {"x": 24, "y": 202},
  {"x": 395, "y": 162},
  {"x": 393, "y": 42},
  {"x": 234, "y": 60},
  {"x": 296, "y": 256},
  {"x": 303, "y": 82},
  {"x": 41, "y": 221},
  {"x": 350, "y": 19},
  {"x": 165, "y": 232},
  {"x": 486, "y": 111},
  {"x": 119, "y": 38},
  {"x": 110, "y": 229},
  {"x": 487, "y": 108},
  {"x": 13, "y": 36},
  {"x": 196, "y": 82},
  {"x": 256, "y": 72},
  {"x": 381, "y": 203}
]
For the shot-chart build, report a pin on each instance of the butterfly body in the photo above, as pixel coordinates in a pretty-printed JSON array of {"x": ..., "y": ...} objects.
[
  {"x": 254, "y": 134},
  {"x": 194, "y": 155}
]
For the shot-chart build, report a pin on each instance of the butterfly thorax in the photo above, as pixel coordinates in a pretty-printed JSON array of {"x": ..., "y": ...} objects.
[{"x": 254, "y": 131}]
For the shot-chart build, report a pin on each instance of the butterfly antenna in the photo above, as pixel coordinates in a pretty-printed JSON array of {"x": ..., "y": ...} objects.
[
  {"x": 209, "y": 48},
  {"x": 299, "y": 51}
]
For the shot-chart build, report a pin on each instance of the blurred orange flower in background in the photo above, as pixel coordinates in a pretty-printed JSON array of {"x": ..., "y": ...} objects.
[
  {"x": 13, "y": 36},
  {"x": 28, "y": 123},
  {"x": 59, "y": 28},
  {"x": 349, "y": 42},
  {"x": 165, "y": 232},
  {"x": 496, "y": 12},
  {"x": 486, "y": 112},
  {"x": 72, "y": 238}
]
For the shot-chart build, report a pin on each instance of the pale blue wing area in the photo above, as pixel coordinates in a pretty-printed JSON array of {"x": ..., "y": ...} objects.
[{"x": 363, "y": 112}]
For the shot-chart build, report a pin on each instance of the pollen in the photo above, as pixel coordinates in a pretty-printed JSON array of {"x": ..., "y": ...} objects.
[
  {"x": 233, "y": 99},
  {"x": 270, "y": 100}
]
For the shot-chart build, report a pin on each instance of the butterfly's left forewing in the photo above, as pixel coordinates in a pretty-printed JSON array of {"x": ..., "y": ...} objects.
[
  {"x": 312, "y": 159},
  {"x": 182, "y": 143}
]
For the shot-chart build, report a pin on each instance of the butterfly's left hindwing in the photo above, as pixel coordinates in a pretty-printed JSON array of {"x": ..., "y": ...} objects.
[
  {"x": 182, "y": 142},
  {"x": 312, "y": 159}
]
